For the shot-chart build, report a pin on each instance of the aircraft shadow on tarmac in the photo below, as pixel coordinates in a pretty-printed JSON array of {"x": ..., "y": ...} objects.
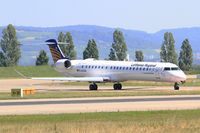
[{"x": 100, "y": 89}]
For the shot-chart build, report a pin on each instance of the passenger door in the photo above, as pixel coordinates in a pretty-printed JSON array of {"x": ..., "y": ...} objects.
[{"x": 158, "y": 74}]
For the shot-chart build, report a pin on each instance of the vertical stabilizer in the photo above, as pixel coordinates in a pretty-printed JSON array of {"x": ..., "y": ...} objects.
[{"x": 55, "y": 50}]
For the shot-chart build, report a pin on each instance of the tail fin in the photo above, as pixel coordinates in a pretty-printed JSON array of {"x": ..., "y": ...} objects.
[{"x": 55, "y": 50}]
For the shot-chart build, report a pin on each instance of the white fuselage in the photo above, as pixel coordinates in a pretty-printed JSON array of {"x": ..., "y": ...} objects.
[{"x": 118, "y": 71}]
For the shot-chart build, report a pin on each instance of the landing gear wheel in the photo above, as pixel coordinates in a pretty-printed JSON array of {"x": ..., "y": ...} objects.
[
  {"x": 176, "y": 86},
  {"x": 117, "y": 86},
  {"x": 93, "y": 86}
]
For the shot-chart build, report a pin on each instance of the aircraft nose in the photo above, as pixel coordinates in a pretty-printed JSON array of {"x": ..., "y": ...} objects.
[
  {"x": 179, "y": 76},
  {"x": 182, "y": 76}
]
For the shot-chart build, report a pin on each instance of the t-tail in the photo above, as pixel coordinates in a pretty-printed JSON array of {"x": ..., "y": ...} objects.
[{"x": 55, "y": 50}]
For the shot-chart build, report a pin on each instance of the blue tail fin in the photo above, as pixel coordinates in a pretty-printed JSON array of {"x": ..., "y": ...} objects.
[{"x": 55, "y": 50}]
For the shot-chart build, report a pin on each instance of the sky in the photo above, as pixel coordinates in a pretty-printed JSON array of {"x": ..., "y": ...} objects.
[{"x": 144, "y": 15}]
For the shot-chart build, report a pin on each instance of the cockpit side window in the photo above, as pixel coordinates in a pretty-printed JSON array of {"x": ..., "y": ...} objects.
[
  {"x": 175, "y": 68},
  {"x": 167, "y": 69}
]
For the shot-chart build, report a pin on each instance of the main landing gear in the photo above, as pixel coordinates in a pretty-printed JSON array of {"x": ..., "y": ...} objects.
[
  {"x": 116, "y": 86},
  {"x": 176, "y": 86},
  {"x": 93, "y": 86}
]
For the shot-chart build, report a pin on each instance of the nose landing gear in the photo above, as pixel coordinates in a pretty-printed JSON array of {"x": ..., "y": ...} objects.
[{"x": 176, "y": 86}]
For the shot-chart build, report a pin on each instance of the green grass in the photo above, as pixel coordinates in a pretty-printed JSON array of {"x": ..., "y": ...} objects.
[
  {"x": 182, "y": 121},
  {"x": 192, "y": 72},
  {"x": 28, "y": 71}
]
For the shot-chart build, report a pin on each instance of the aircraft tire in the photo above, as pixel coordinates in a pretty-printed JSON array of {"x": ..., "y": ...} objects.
[
  {"x": 93, "y": 87},
  {"x": 117, "y": 86},
  {"x": 176, "y": 86}
]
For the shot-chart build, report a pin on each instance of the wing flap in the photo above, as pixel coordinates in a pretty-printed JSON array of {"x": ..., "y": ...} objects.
[{"x": 78, "y": 79}]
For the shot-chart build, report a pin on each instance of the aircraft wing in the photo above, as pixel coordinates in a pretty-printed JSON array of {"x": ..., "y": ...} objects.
[{"x": 78, "y": 79}]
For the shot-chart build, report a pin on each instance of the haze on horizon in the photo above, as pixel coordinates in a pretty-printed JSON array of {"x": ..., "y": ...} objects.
[{"x": 144, "y": 15}]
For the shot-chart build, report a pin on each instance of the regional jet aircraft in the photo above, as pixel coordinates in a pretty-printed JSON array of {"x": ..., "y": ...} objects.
[{"x": 101, "y": 71}]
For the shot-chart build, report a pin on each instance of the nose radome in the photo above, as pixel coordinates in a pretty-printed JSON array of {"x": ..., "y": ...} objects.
[{"x": 183, "y": 76}]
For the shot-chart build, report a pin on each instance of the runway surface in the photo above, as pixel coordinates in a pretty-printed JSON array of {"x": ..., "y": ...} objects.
[
  {"x": 103, "y": 100},
  {"x": 106, "y": 104}
]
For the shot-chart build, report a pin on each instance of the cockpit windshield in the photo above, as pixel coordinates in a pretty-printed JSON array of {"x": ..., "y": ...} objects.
[
  {"x": 171, "y": 68},
  {"x": 167, "y": 69}
]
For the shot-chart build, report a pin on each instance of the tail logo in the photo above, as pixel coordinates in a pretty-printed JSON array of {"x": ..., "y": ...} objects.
[
  {"x": 55, "y": 50},
  {"x": 55, "y": 53}
]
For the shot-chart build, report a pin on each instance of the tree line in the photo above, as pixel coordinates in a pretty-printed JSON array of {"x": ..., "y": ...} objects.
[
  {"x": 10, "y": 49},
  {"x": 168, "y": 53}
]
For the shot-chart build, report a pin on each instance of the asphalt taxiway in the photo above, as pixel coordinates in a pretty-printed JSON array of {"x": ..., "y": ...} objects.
[{"x": 100, "y": 104}]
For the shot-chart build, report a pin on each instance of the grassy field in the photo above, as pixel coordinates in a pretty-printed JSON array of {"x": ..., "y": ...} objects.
[
  {"x": 29, "y": 71},
  {"x": 182, "y": 121}
]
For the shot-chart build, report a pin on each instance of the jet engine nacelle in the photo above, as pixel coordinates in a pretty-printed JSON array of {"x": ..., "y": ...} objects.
[
  {"x": 67, "y": 64},
  {"x": 62, "y": 65}
]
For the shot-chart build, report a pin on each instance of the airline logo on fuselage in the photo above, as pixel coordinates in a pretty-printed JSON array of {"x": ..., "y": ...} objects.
[
  {"x": 80, "y": 70},
  {"x": 143, "y": 65}
]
